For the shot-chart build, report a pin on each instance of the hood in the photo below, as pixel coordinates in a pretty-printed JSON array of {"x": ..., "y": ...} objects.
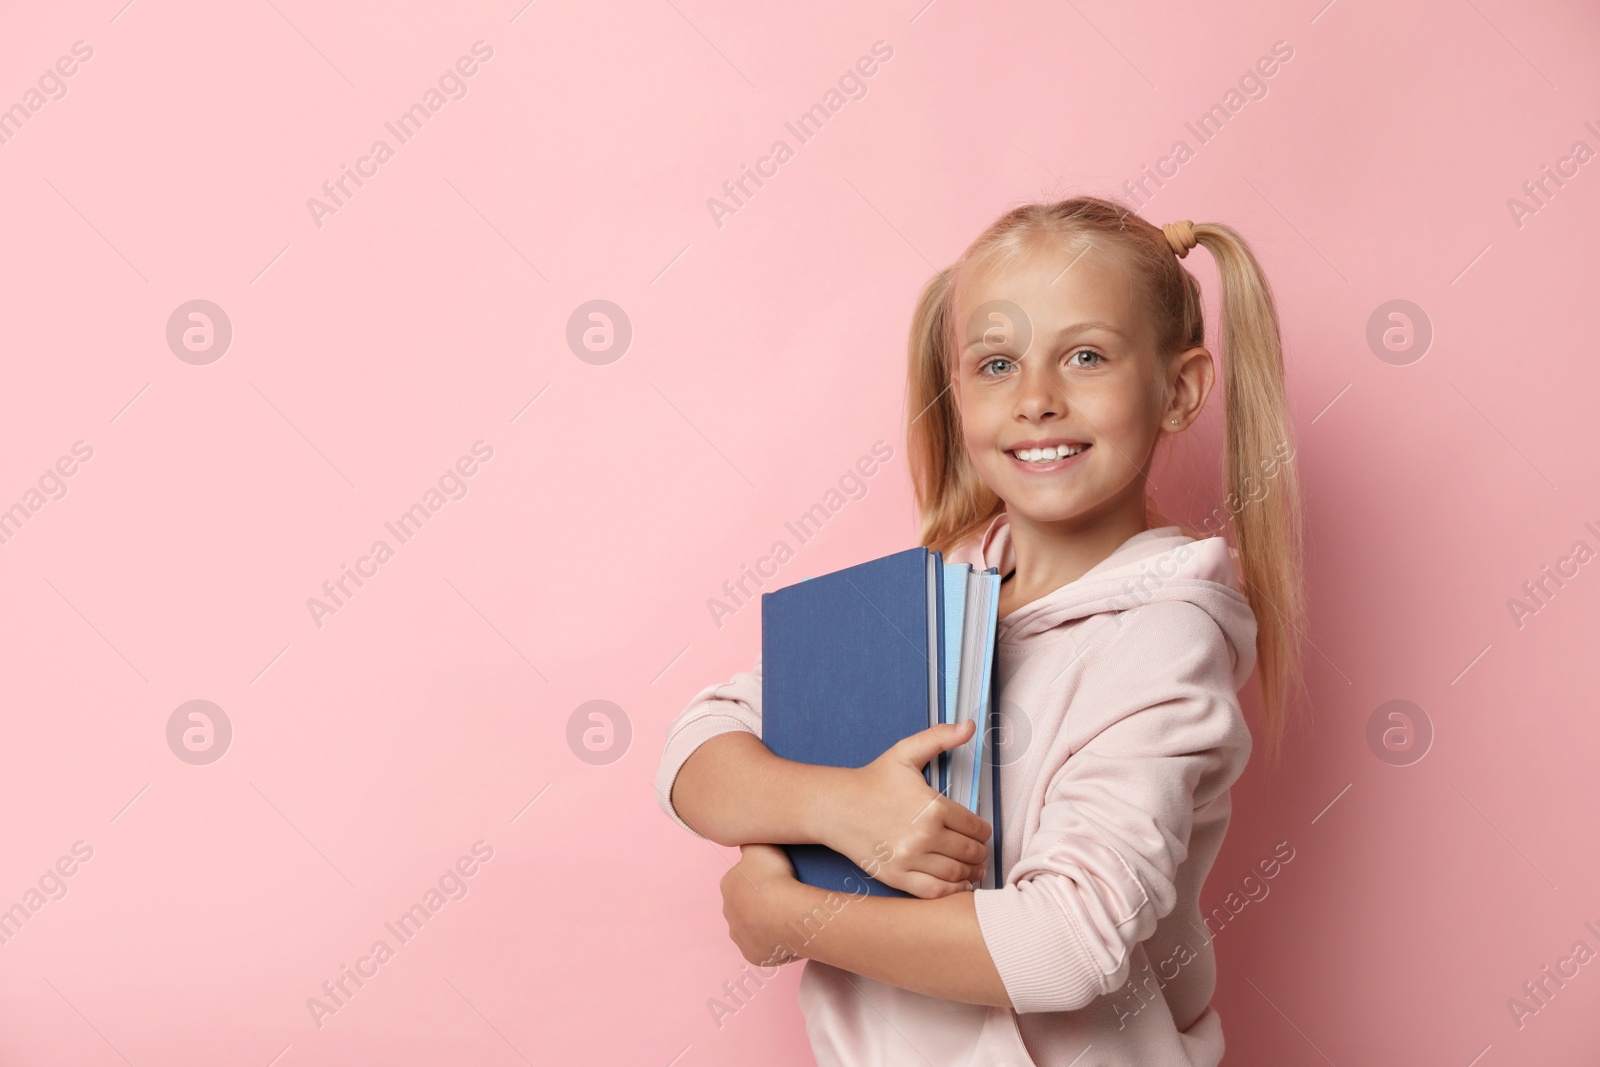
[{"x": 1157, "y": 564}]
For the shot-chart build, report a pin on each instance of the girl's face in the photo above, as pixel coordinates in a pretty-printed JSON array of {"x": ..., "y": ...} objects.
[{"x": 1055, "y": 354}]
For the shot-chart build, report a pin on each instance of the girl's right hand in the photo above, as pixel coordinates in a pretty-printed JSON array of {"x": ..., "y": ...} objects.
[{"x": 890, "y": 822}]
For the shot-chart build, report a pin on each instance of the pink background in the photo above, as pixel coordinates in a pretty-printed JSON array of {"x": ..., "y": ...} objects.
[{"x": 369, "y": 353}]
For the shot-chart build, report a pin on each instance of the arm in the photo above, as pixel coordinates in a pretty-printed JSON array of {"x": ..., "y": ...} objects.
[
  {"x": 933, "y": 947},
  {"x": 737, "y": 792},
  {"x": 716, "y": 773},
  {"x": 717, "y": 780}
]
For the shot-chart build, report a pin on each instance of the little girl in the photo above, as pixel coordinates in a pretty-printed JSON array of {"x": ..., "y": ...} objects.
[{"x": 1047, "y": 365}]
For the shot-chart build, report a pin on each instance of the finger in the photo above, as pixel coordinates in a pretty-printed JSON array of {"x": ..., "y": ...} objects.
[
  {"x": 922, "y": 746},
  {"x": 930, "y": 888},
  {"x": 958, "y": 847},
  {"x": 946, "y": 869},
  {"x": 957, "y": 817}
]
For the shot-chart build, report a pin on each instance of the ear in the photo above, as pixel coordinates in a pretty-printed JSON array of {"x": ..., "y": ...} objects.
[{"x": 1192, "y": 376}]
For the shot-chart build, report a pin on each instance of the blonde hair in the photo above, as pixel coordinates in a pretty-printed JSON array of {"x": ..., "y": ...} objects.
[{"x": 954, "y": 502}]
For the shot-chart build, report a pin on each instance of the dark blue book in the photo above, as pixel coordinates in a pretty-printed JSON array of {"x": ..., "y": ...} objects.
[{"x": 853, "y": 662}]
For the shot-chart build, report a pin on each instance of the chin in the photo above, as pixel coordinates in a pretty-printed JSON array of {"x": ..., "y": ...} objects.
[{"x": 1047, "y": 509}]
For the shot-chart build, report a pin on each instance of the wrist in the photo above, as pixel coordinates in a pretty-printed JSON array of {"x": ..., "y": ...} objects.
[
  {"x": 828, "y": 801},
  {"x": 793, "y": 918}
]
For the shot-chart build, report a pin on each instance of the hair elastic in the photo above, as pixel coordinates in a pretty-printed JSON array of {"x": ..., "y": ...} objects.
[{"x": 1180, "y": 235}]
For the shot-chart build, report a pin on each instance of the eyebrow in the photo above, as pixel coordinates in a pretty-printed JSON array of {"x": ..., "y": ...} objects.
[{"x": 1064, "y": 332}]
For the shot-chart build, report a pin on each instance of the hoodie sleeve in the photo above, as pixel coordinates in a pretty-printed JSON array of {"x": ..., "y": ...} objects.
[
  {"x": 1161, "y": 733},
  {"x": 716, "y": 709}
]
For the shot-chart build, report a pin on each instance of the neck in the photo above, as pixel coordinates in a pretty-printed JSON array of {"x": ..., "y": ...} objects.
[{"x": 1050, "y": 554}]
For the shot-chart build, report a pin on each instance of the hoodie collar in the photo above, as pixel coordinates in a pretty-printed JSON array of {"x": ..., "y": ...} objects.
[{"x": 1162, "y": 563}]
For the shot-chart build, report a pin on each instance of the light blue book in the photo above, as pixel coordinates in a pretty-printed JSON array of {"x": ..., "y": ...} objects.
[
  {"x": 980, "y": 619},
  {"x": 982, "y": 767},
  {"x": 975, "y": 774},
  {"x": 955, "y": 606}
]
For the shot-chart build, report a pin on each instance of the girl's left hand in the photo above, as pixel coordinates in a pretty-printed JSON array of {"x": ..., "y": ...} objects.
[{"x": 756, "y": 895}]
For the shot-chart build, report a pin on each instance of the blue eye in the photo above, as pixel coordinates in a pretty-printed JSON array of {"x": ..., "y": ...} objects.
[
  {"x": 986, "y": 364},
  {"x": 1087, "y": 352}
]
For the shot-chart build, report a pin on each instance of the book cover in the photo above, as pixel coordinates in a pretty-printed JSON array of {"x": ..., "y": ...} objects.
[{"x": 852, "y": 664}]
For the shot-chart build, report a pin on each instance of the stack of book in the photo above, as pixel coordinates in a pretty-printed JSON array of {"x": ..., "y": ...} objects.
[{"x": 859, "y": 659}]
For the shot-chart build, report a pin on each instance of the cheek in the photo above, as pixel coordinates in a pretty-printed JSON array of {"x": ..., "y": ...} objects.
[
  {"x": 977, "y": 425},
  {"x": 1126, "y": 426},
  {"x": 982, "y": 440},
  {"x": 1122, "y": 414},
  {"x": 976, "y": 430}
]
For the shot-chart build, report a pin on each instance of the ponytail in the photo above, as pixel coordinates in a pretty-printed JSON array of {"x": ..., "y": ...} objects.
[{"x": 1258, "y": 458}]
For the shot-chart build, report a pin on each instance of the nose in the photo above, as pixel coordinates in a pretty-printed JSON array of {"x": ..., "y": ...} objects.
[{"x": 1039, "y": 394}]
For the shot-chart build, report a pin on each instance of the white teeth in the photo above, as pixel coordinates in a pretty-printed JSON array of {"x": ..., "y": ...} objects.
[{"x": 1047, "y": 455}]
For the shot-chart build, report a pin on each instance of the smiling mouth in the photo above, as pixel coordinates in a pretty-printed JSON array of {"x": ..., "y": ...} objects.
[{"x": 1046, "y": 458}]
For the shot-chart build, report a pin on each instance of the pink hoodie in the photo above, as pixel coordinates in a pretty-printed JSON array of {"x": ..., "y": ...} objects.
[{"x": 1122, "y": 736}]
